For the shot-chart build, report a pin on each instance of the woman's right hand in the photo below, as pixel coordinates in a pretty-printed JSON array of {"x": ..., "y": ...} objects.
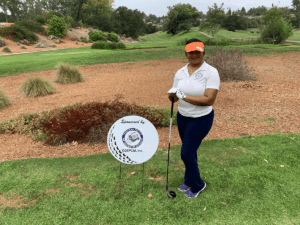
[{"x": 175, "y": 97}]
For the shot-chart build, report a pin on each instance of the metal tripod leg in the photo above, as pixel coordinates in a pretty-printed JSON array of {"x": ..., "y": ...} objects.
[{"x": 142, "y": 178}]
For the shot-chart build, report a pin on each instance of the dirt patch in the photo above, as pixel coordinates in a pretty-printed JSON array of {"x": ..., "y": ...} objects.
[{"x": 269, "y": 105}]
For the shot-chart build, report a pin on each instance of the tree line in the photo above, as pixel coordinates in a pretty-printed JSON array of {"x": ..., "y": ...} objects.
[{"x": 133, "y": 23}]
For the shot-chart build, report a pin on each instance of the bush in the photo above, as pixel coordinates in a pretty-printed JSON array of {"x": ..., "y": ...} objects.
[
  {"x": 65, "y": 126},
  {"x": 4, "y": 100},
  {"x": 83, "y": 39},
  {"x": 57, "y": 27},
  {"x": 113, "y": 37},
  {"x": 113, "y": 45},
  {"x": 6, "y": 49},
  {"x": 80, "y": 23},
  {"x": 30, "y": 25},
  {"x": 226, "y": 43},
  {"x": 99, "y": 45},
  {"x": 35, "y": 87},
  {"x": 106, "y": 45},
  {"x": 121, "y": 46},
  {"x": 40, "y": 19},
  {"x": 49, "y": 15},
  {"x": 98, "y": 36},
  {"x": 18, "y": 33},
  {"x": 230, "y": 65},
  {"x": 69, "y": 21}
]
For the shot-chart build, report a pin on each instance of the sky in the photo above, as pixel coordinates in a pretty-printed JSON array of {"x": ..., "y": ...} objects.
[{"x": 159, "y": 7}]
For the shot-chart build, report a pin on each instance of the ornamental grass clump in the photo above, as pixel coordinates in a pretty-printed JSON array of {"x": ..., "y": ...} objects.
[{"x": 230, "y": 65}]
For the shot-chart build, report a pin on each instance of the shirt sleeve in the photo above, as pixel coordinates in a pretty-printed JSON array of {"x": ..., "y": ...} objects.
[
  {"x": 213, "y": 80},
  {"x": 175, "y": 84}
]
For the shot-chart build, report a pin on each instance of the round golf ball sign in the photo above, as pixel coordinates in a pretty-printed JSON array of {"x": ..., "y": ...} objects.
[{"x": 132, "y": 140}]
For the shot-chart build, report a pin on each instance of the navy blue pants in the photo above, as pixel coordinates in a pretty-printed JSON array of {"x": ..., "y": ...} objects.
[{"x": 192, "y": 131}]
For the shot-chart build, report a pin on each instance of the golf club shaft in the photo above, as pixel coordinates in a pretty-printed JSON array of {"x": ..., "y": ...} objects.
[{"x": 170, "y": 141}]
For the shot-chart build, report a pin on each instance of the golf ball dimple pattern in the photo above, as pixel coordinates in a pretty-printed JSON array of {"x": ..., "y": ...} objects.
[
  {"x": 117, "y": 153},
  {"x": 136, "y": 137}
]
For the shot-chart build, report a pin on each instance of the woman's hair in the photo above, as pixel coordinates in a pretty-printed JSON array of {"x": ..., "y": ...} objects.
[{"x": 194, "y": 40}]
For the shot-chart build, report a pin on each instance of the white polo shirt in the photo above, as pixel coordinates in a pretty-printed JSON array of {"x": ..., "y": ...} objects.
[{"x": 205, "y": 77}]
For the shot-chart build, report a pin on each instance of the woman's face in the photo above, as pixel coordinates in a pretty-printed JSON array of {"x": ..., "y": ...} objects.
[{"x": 195, "y": 57}]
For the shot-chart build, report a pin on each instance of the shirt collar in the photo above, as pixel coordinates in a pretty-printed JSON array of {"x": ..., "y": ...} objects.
[{"x": 203, "y": 67}]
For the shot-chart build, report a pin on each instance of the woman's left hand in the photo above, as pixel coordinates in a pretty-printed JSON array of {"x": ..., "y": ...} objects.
[{"x": 179, "y": 93}]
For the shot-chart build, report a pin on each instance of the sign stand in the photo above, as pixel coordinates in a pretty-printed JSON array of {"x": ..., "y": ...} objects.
[
  {"x": 132, "y": 140},
  {"x": 142, "y": 178}
]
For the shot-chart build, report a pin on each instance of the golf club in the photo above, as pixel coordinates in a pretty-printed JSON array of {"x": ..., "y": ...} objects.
[{"x": 171, "y": 194}]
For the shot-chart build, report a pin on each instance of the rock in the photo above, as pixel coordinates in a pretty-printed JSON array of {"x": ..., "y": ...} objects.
[
  {"x": 51, "y": 37},
  {"x": 57, "y": 41},
  {"x": 24, "y": 42},
  {"x": 43, "y": 43},
  {"x": 2, "y": 43}
]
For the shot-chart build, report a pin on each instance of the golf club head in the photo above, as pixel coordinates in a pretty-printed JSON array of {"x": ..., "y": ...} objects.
[{"x": 171, "y": 194}]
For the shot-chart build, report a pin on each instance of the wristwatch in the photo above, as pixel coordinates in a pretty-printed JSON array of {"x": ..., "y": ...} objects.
[{"x": 183, "y": 98}]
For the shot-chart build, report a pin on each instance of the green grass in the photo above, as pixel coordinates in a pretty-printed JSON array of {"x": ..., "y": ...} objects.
[
  {"x": 13, "y": 65},
  {"x": 88, "y": 190}
]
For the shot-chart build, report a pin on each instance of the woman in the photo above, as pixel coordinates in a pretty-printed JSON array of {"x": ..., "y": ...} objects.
[{"x": 195, "y": 86}]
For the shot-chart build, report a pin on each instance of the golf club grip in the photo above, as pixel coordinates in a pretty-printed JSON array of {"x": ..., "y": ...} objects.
[{"x": 171, "y": 119}]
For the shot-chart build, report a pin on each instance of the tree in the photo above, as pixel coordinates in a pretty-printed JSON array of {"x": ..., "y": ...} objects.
[
  {"x": 128, "y": 22},
  {"x": 13, "y": 6},
  {"x": 277, "y": 30},
  {"x": 215, "y": 16},
  {"x": 96, "y": 7},
  {"x": 243, "y": 12},
  {"x": 296, "y": 11},
  {"x": 73, "y": 8},
  {"x": 235, "y": 22},
  {"x": 4, "y": 8},
  {"x": 180, "y": 17},
  {"x": 216, "y": 13}
]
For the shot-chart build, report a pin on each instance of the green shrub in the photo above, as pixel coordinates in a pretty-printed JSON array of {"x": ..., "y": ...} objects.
[
  {"x": 99, "y": 45},
  {"x": 80, "y": 23},
  {"x": 6, "y": 49},
  {"x": 30, "y": 25},
  {"x": 69, "y": 21},
  {"x": 57, "y": 27},
  {"x": 83, "y": 39},
  {"x": 34, "y": 87},
  {"x": 121, "y": 46},
  {"x": 49, "y": 15},
  {"x": 17, "y": 33},
  {"x": 113, "y": 37},
  {"x": 4, "y": 100},
  {"x": 113, "y": 45},
  {"x": 98, "y": 36},
  {"x": 68, "y": 74},
  {"x": 40, "y": 19},
  {"x": 106, "y": 45}
]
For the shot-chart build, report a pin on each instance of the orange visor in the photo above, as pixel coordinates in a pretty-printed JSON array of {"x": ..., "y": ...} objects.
[{"x": 195, "y": 46}]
